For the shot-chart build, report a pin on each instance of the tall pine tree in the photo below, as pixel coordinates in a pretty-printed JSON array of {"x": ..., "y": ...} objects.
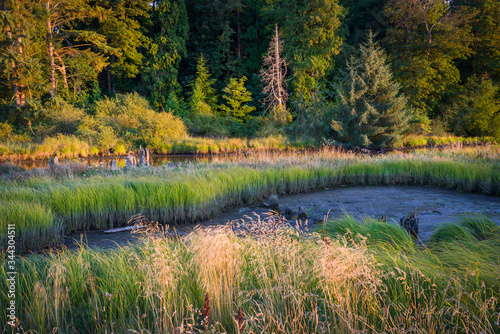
[
  {"x": 21, "y": 46},
  {"x": 311, "y": 35},
  {"x": 203, "y": 99},
  {"x": 124, "y": 23},
  {"x": 371, "y": 110},
  {"x": 236, "y": 95}
]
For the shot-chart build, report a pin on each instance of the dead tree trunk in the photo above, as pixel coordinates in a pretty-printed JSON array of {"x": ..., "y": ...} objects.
[
  {"x": 273, "y": 76},
  {"x": 50, "y": 50},
  {"x": 20, "y": 88}
]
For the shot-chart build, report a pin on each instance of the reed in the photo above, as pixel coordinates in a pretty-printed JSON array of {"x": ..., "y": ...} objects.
[
  {"x": 35, "y": 225},
  {"x": 283, "y": 280},
  {"x": 195, "y": 192}
]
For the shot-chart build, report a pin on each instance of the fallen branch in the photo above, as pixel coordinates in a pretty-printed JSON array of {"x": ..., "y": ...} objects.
[{"x": 126, "y": 228}]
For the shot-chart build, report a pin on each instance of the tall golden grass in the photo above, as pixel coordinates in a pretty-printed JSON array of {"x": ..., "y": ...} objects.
[{"x": 284, "y": 280}]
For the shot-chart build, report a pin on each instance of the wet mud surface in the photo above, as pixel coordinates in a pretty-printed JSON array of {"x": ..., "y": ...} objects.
[{"x": 434, "y": 206}]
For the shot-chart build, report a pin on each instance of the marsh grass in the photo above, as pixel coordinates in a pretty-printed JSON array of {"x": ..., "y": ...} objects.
[
  {"x": 285, "y": 280},
  {"x": 469, "y": 229},
  {"x": 35, "y": 225},
  {"x": 193, "y": 192}
]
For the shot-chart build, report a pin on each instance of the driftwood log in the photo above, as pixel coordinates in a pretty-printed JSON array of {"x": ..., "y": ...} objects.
[{"x": 126, "y": 228}]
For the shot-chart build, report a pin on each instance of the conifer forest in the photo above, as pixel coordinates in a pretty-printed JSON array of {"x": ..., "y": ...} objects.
[{"x": 109, "y": 75}]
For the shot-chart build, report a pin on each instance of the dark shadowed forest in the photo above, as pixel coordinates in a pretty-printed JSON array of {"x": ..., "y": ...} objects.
[{"x": 83, "y": 78}]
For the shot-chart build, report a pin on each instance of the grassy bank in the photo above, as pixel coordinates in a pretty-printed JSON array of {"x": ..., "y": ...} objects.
[
  {"x": 414, "y": 141},
  {"x": 376, "y": 281},
  {"x": 195, "y": 192},
  {"x": 71, "y": 147}
]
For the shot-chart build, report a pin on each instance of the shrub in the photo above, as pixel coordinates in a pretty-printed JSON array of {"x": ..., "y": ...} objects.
[
  {"x": 475, "y": 111},
  {"x": 5, "y": 130},
  {"x": 58, "y": 117},
  {"x": 130, "y": 118},
  {"x": 120, "y": 149},
  {"x": 61, "y": 145}
]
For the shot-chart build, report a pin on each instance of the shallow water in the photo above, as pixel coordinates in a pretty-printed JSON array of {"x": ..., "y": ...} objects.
[
  {"x": 160, "y": 160},
  {"x": 156, "y": 160},
  {"x": 434, "y": 206}
]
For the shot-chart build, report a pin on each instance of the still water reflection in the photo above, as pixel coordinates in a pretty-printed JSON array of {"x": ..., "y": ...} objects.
[{"x": 155, "y": 160}]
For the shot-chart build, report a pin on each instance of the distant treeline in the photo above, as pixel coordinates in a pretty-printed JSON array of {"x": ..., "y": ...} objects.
[{"x": 364, "y": 72}]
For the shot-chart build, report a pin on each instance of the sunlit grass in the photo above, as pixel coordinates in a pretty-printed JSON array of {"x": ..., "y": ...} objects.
[
  {"x": 35, "y": 225},
  {"x": 195, "y": 192},
  {"x": 373, "y": 279}
]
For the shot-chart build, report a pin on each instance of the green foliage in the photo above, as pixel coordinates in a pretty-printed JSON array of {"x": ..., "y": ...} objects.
[
  {"x": 65, "y": 147},
  {"x": 5, "y": 130},
  {"x": 476, "y": 111},
  {"x": 363, "y": 15},
  {"x": 203, "y": 100},
  {"x": 486, "y": 30},
  {"x": 311, "y": 39},
  {"x": 22, "y": 51},
  {"x": 123, "y": 25},
  {"x": 167, "y": 50},
  {"x": 236, "y": 95},
  {"x": 313, "y": 116},
  {"x": 58, "y": 116},
  {"x": 76, "y": 49},
  {"x": 370, "y": 111},
  {"x": 130, "y": 118},
  {"x": 419, "y": 122},
  {"x": 425, "y": 39}
]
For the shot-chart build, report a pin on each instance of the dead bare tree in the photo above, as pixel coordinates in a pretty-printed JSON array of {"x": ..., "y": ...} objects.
[{"x": 273, "y": 75}]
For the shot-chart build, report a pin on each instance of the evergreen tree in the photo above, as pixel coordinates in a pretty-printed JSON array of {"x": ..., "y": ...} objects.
[
  {"x": 21, "y": 67},
  {"x": 370, "y": 111},
  {"x": 313, "y": 115},
  {"x": 124, "y": 25},
  {"x": 203, "y": 99},
  {"x": 236, "y": 95},
  {"x": 167, "y": 51},
  {"x": 70, "y": 51}
]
